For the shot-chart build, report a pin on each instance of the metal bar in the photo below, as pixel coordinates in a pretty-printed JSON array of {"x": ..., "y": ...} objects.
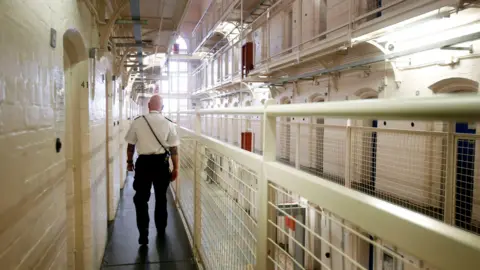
[
  {"x": 133, "y": 45},
  {"x": 384, "y": 57},
  {"x": 447, "y": 107},
  {"x": 450, "y": 172},
  {"x": 348, "y": 150},
  {"x": 238, "y": 110},
  {"x": 263, "y": 230},
  {"x": 123, "y": 21},
  {"x": 124, "y": 37},
  {"x": 197, "y": 223},
  {"x": 134, "y": 66},
  {"x": 298, "y": 143}
]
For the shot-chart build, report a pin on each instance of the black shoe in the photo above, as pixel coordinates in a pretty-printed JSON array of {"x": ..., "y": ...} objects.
[{"x": 143, "y": 240}]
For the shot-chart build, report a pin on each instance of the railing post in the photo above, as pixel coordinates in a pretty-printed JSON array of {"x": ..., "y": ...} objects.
[
  {"x": 297, "y": 146},
  {"x": 264, "y": 249},
  {"x": 196, "y": 186},
  {"x": 348, "y": 151},
  {"x": 450, "y": 171}
]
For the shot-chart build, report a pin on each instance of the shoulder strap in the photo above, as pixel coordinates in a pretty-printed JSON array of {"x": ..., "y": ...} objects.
[{"x": 166, "y": 151}]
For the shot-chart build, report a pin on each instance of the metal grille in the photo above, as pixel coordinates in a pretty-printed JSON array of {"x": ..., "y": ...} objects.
[
  {"x": 467, "y": 180},
  {"x": 184, "y": 185},
  {"x": 229, "y": 129},
  {"x": 324, "y": 154},
  {"x": 286, "y": 141},
  {"x": 228, "y": 212},
  {"x": 306, "y": 236},
  {"x": 403, "y": 167}
]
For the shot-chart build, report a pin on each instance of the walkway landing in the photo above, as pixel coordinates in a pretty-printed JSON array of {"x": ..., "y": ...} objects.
[{"x": 123, "y": 251}]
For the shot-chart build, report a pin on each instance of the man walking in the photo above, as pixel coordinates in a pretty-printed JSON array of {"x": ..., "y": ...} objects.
[{"x": 155, "y": 139}]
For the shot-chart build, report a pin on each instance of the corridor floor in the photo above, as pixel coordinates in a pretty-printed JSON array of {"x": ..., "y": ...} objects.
[{"x": 123, "y": 251}]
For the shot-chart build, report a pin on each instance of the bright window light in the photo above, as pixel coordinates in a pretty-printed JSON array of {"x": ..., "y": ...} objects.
[{"x": 431, "y": 27}]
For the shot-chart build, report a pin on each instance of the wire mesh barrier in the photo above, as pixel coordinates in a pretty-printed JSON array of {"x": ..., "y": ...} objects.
[
  {"x": 335, "y": 193},
  {"x": 403, "y": 167},
  {"x": 227, "y": 202},
  {"x": 467, "y": 179},
  {"x": 286, "y": 142},
  {"x": 307, "y": 236},
  {"x": 243, "y": 131},
  {"x": 184, "y": 186},
  {"x": 228, "y": 212},
  {"x": 325, "y": 150}
]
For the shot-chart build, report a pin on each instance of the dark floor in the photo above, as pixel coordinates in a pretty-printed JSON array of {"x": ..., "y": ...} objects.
[{"x": 123, "y": 251}]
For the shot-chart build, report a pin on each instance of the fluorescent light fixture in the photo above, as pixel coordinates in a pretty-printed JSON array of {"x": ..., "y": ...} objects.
[{"x": 434, "y": 14}]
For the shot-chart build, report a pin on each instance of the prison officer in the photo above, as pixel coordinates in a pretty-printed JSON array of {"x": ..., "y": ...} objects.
[{"x": 156, "y": 141}]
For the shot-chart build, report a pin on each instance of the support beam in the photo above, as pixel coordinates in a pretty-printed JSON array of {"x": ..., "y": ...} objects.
[
  {"x": 129, "y": 45},
  {"x": 123, "y": 21},
  {"x": 106, "y": 31}
]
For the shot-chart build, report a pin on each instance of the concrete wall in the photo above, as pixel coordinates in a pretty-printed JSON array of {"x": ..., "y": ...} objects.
[{"x": 52, "y": 203}]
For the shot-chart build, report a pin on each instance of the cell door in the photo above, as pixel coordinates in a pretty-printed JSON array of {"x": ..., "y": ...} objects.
[{"x": 464, "y": 176}]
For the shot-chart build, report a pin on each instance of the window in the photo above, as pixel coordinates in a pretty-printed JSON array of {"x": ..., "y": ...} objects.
[
  {"x": 182, "y": 83},
  {"x": 173, "y": 66},
  {"x": 174, "y": 85},
  {"x": 182, "y": 45},
  {"x": 183, "y": 66},
  {"x": 175, "y": 104},
  {"x": 164, "y": 88}
]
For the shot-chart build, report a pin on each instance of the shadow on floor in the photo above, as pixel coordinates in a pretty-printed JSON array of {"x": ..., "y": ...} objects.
[{"x": 123, "y": 251}]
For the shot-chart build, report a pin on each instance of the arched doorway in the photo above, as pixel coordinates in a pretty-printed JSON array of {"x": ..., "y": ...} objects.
[
  {"x": 75, "y": 62},
  {"x": 466, "y": 154}
]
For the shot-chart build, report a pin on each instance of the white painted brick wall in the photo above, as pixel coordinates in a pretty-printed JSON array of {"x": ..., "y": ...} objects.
[{"x": 33, "y": 185}]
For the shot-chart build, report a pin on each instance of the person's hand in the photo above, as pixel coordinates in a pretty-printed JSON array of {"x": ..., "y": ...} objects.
[
  {"x": 174, "y": 174},
  {"x": 130, "y": 167}
]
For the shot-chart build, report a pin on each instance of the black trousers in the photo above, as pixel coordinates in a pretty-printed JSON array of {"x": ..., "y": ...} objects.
[{"x": 151, "y": 169}]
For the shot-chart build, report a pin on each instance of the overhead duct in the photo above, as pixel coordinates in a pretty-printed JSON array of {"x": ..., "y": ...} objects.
[{"x": 137, "y": 32}]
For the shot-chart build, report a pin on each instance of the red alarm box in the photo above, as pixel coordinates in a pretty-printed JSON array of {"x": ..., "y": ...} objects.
[{"x": 247, "y": 141}]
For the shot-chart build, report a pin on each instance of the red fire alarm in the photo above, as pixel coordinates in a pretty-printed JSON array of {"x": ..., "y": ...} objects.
[{"x": 247, "y": 141}]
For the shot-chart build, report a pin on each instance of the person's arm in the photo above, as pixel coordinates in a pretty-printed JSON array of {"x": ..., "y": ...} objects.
[
  {"x": 131, "y": 139},
  {"x": 130, "y": 152},
  {"x": 174, "y": 153},
  {"x": 173, "y": 140}
]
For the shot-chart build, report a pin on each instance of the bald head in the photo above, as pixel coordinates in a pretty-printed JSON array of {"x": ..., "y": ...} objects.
[{"x": 155, "y": 103}]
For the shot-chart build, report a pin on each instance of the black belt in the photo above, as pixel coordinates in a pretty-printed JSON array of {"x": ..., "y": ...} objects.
[{"x": 152, "y": 155}]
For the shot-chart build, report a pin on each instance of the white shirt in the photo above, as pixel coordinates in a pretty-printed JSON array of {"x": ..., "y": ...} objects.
[{"x": 142, "y": 137}]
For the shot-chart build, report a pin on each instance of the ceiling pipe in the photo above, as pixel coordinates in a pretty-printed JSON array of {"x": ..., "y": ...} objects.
[
  {"x": 137, "y": 30},
  {"x": 160, "y": 25}
]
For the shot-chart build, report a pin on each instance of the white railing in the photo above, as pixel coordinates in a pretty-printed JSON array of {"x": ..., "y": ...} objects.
[
  {"x": 245, "y": 210},
  {"x": 342, "y": 22}
]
